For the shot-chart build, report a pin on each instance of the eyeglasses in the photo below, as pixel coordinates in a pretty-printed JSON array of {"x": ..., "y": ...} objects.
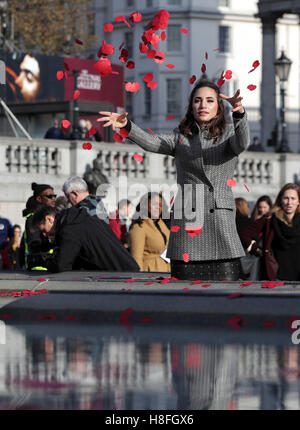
[{"x": 49, "y": 196}]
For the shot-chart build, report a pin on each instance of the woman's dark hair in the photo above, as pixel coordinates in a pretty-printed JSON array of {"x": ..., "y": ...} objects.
[
  {"x": 16, "y": 226},
  {"x": 242, "y": 206},
  {"x": 40, "y": 215},
  {"x": 266, "y": 199},
  {"x": 216, "y": 126},
  {"x": 141, "y": 211}
]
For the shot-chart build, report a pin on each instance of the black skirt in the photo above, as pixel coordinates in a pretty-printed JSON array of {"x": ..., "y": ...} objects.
[{"x": 211, "y": 270}]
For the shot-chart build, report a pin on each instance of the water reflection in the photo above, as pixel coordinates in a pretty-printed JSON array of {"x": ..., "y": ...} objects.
[{"x": 124, "y": 372}]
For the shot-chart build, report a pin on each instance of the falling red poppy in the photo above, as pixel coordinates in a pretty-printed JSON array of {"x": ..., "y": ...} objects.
[
  {"x": 159, "y": 57},
  {"x": 151, "y": 54},
  {"x": 76, "y": 94},
  {"x": 205, "y": 285},
  {"x": 42, "y": 279},
  {"x": 155, "y": 40},
  {"x": 87, "y": 145},
  {"x": 251, "y": 87},
  {"x": 247, "y": 188},
  {"x": 196, "y": 283},
  {"x": 172, "y": 200},
  {"x": 135, "y": 17},
  {"x": 163, "y": 36},
  {"x": 108, "y": 27},
  {"x": 221, "y": 82},
  {"x": 170, "y": 117},
  {"x": 186, "y": 257},
  {"x": 152, "y": 85},
  {"x": 91, "y": 132},
  {"x": 60, "y": 75},
  {"x": 118, "y": 137},
  {"x": 228, "y": 74},
  {"x": 254, "y": 65},
  {"x": 192, "y": 79},
  {"x": 245, "y": 284},
  {"x": 124, "y": 133},
  {"x": 78, "y": 41},
  {"x": 203, "y": 68},
  {"x": 184, "y": 30},
  {"x": 106, "y": 49},
  {"x": 231, "y": 182},
  {"x": 138, "y": 157},
  {"x": 271, "y": 284},
  {"x": 124, "y": 56},
  {"x": 148, "y": 77},
  {"x": 122, "y": 18},
  {"x": 132, "y": 87},
  {"x": 65, "y": 123},
  {"x": 121, "y": 46},
  {"x": 175, "y": 228},
  {"x": 193, "y": 231},
  {"x": 206, "y": 55},
  {"x": 151, "y": 130},
  {"x": 103, "y": 67},
  {"x": 143, "y": 48},
  {"x": 170, "y": 66},
  {"x": 130, "y": 65}
]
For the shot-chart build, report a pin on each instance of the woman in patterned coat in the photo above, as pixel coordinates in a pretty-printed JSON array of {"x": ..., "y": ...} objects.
[{"x": 204, "y": 243}]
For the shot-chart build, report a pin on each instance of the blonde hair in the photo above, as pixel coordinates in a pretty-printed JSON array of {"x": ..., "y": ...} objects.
[{"x": 277, "y": 209}]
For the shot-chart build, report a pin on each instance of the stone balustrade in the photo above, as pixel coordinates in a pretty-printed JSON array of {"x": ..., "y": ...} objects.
[{"x": 53, "y": 161}]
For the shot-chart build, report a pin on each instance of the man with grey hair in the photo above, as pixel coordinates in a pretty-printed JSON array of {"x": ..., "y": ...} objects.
[{"x": 76, "y": 191}]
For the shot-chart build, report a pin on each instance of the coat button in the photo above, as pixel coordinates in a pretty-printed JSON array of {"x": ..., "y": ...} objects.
[{"x": 211, "y": 211}]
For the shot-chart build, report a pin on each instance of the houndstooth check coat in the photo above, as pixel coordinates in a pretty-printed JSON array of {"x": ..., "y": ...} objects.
[{"x": 205, "y": 166}]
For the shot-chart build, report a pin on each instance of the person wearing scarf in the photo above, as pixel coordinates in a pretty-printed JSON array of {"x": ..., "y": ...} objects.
[{"x": 280, "y": 237}]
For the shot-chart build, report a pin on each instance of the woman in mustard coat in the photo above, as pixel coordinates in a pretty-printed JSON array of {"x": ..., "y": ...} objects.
[{"x": 149, "y": 235}]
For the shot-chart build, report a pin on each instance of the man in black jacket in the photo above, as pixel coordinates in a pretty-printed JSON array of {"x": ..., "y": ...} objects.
[{"x": 83, "y": 242}]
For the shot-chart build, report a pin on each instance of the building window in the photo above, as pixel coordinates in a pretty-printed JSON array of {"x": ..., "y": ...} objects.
[
  {"x": 129, "y": 44},
  {"x": 224, "y": 38},
  {"x": 174, "y": 2},
  {"x": 174, "y": 38},
  {"x": 174, "y": 97},
  {"x": 224, "y": 3},
  {"x": 149, "y": 3},
  {"x": 148, "y": 101}
]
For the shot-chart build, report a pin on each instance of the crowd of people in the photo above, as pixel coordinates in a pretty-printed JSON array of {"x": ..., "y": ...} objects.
[{"x": 205, "y": 243}]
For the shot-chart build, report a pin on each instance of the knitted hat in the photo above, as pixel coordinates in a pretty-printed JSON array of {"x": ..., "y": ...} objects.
[{"x": 39, "y": 188}]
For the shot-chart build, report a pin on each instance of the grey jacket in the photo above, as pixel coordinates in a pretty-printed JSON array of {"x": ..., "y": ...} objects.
[{"x": 205, "y": 166}]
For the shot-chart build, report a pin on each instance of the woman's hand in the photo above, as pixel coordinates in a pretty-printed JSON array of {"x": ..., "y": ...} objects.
[
  {"x": 235, "y": 102},
  {"x": 114, "y": 119}
]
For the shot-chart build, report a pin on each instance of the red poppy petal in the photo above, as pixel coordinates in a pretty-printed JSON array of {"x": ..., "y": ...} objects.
[
  {"x": 206, "y": 55},
  {"x": 170, "y": 66},
  {"x": 149, "y": 283},
  {"x": 78, "y": 41},
  {"x": 271, "y": 284},
  {"x": 76, "y": 94},
  {"x": 121, "y": 46},
  {"x": 247, "y": 188},
  {"x": 91, "y": 132},
  {"x": 143, "y": 48},
  {"x": 130, "y": 65},
  {"x": 193, "y": 231},
  {"x": 151, "y": 130},
  {"x": 108, "y": 27},
  {"x": 42, "y": 279},
  {"x": 138, "y": 157},
  {"x": 196, "y": 283},
  {"x": 192, "y": 79},
  {"x": 203, "y": 68},
  {"x": 228, "y": 74},
  {"x": 135, "y": 17},
  {"x": 185, "y": 257},
  {"x": 163, "y": 36},
  {"x": 103, "y": 67},
  {"x": 251, "y": 87},
  {"x": 120, "y": 18},
  {"x": 184, "y": 30},
  {"x": 132, "y": 86},
  {"x": 118, "y": 137},
  {"x": 254, "y": 65},
  {"x": 235, "y": 322},
  {"x": 205, "y": 285},
  {"x": 60, "y": 75},
  {"x": 170, "y": 117},
  {"x": 106, "y": 49},
  {"x": 152, "y": 85},
  {"x": 231, "y": 182},
  {"x": 159, "y": 57},
  {"x": 65, "y": 123},
  {"x": 148, "y": 77},
  {"x": 124, "y": 56},
  {"x": 245, "y": 284},
  {"x": 175, "y": 228},
  {"x": 124, "y": 133},
  {"x": 151, "y": 54}
]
